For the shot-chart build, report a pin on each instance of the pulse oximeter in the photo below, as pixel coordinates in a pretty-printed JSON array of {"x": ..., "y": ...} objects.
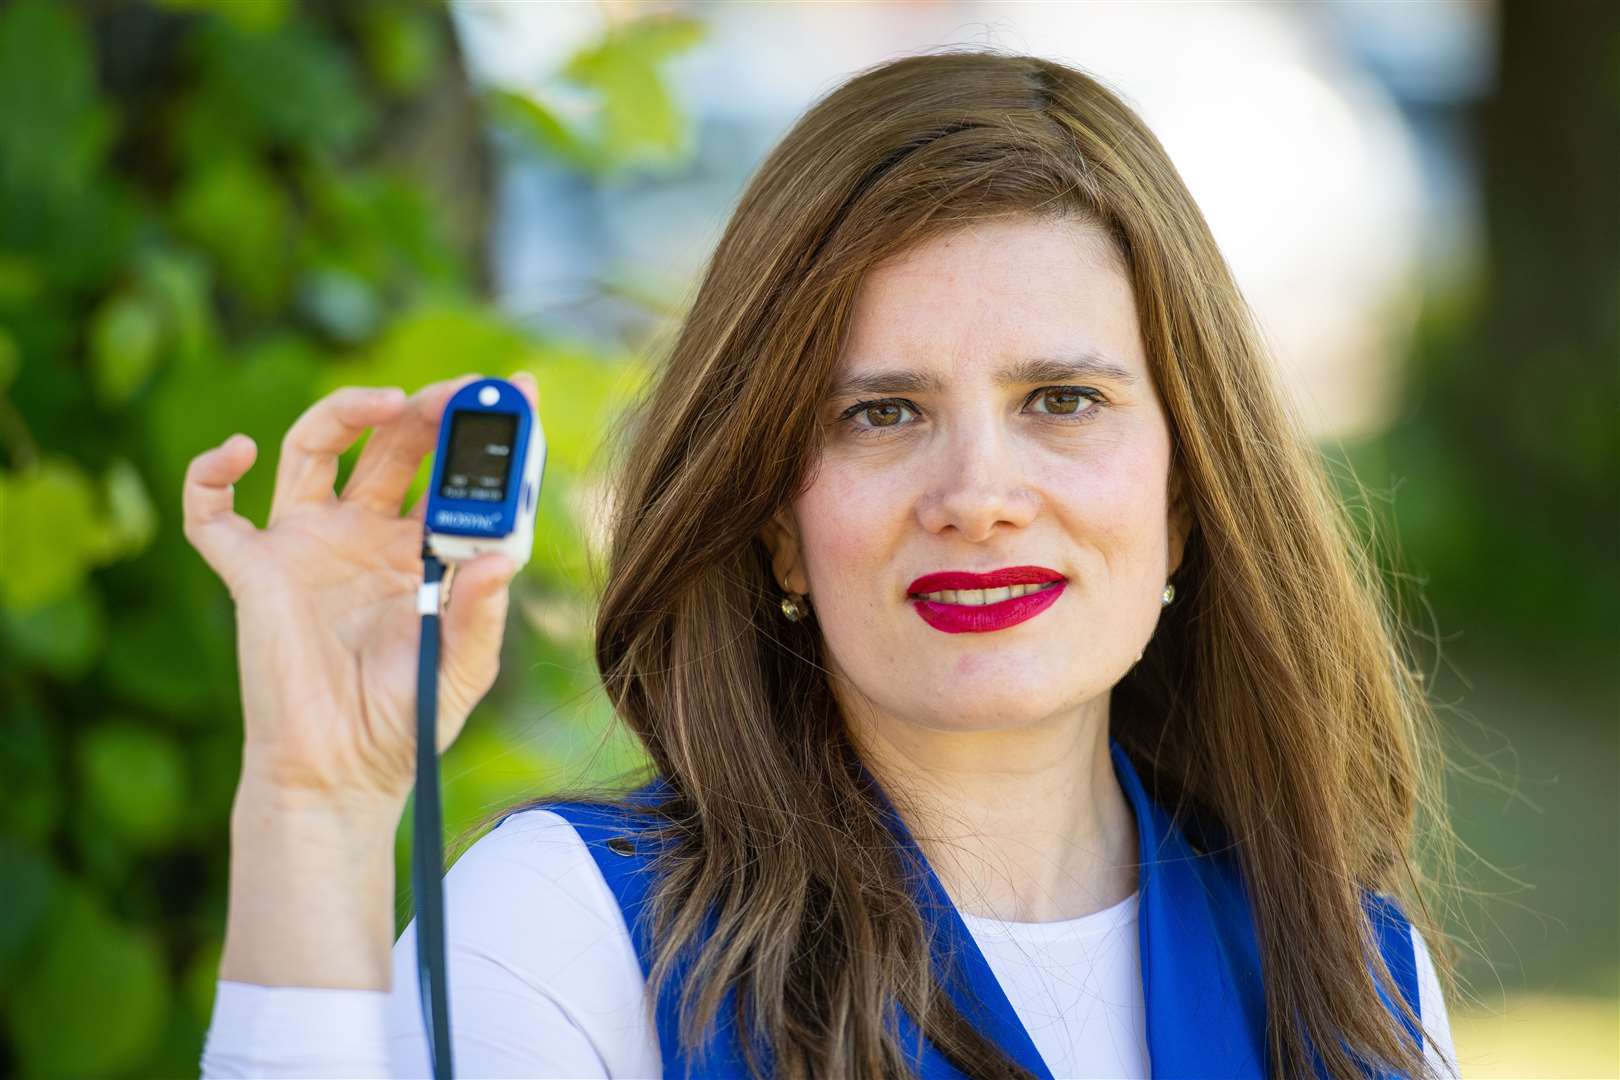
[
  {"x": 486, "y": 474},
  {"x": 480, "y": 499}
]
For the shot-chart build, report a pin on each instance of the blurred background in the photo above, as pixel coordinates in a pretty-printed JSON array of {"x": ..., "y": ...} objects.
[{"x": 213, "y": 212}]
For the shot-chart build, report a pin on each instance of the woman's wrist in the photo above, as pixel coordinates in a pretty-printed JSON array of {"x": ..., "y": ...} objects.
[
  {"x": 261, "y": 789},
  {"x": 266, "y": 780}
]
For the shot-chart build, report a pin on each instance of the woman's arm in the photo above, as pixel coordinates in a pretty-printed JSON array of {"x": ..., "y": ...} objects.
[
  {"x": 305, "y": 969},
  {"x": 543, "y": 981},
  {"x": 311, "y": 899},
  {"x": 327, "y": 633}
]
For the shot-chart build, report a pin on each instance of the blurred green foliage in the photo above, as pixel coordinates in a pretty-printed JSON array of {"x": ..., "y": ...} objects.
[
  {"x": 207, "y": 221},
  {"x": 638, "y": 123},
  {"x": 214, "y": 211}
]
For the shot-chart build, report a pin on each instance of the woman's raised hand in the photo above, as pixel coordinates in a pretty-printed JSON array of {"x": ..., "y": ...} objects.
[{"x": 325, "y": 595}]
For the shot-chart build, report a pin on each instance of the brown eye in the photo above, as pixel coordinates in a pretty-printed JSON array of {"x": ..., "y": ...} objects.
[
  {"x": 868, "y": 419},
  {"x": 1067, "y": 401},
  {"x": 890, "y": 411}
]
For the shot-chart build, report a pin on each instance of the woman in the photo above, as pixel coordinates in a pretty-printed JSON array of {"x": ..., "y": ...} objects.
[{"x": 966, "y": 334}]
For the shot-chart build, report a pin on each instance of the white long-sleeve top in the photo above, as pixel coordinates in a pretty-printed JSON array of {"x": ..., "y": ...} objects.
[{"x": 544, "y": 981}]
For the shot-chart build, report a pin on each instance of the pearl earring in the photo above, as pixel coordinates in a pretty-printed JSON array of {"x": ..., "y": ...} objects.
[
  {"x": 1164, "y": 601},
  {"x": 793, "y": 606}
]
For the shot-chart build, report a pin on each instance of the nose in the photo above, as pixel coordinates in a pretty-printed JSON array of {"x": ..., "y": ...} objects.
[{"x": 976, "y": 483}]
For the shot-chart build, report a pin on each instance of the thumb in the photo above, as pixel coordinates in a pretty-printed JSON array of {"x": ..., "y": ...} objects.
[
  {"x": 475, "y": 618},
  {"x": 210, "y": 521}
]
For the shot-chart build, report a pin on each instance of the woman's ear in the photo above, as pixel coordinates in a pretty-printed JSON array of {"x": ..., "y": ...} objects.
[
  {"x": 1178, "y": 522},
  {"x": 781, "y": 538}
]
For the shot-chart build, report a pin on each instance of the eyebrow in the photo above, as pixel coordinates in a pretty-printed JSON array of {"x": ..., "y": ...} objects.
[{"x": 1086, "y": 365}]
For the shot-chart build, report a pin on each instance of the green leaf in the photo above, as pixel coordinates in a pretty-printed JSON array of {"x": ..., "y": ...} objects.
[
  {"x": 135, "y": 778},
  {"x": 97, "y": 992},
  {"x": 581, "y": 397},
  {"x": 125, "y": 333},
  {"x": 30, "y": 757},
  {"x": 29, "y": 878},
  {"x": 234, "y": 209},
  {"x": 34, "y": 813},
  {"x": 290, "y": 86},
  {"x": 637, "y": 121},
  {"x": 171, "y": 641},
  {"x": 10, "y": 359},
  {"x": 437, "y": 341},
  {"x": 151, "y": 660},
  {"x": 82, "y": 235},
  {"x": 259, "y": 392},
  {"x": 53, "y": 130},
  {"x": 535, "y": 123},
  {"x": 215, "y": 773},
  {"x": 63, "y": 637},
  {"x": 177, "y": 282},
  {"x": 131, "y": 521},
  {"x": 378, "y": 227},
  {"x": 251, "y": 16},
  {"x": 199, "y": 985},
  {"x": 402, "y": 46},
  {"x": 51, "y": 533},
  {"x": 204, "y": 127},
  {"x": 20, "y": 280},
  {"x": 640, "y": 121}
]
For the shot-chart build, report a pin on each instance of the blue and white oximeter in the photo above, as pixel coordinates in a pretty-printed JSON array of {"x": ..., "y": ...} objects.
[
  {"x": 486, "y": 474},
  {"x": 481, "y": 499}
]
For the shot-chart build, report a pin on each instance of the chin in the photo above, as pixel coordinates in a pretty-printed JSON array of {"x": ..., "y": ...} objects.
[{"x": 994, "y": 712}]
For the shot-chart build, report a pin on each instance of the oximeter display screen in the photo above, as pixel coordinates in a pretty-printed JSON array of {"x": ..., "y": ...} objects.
[{"x": 480, "y": 456}]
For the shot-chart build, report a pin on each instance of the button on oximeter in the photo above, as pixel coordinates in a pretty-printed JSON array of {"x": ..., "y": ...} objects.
[{"x": 489, "y": 395}]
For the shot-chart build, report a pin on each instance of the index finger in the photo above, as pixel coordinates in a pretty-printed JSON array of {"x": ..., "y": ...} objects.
[
  {"x": 309, "y": 451},
  {"x": 525, "y": 381},
  {"x": 395, "y": 451}
]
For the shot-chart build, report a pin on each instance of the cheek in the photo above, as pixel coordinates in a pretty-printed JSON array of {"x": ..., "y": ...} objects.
[
  {"x": 1115, "y": 499},
  {"x": 847, "y": 519}
]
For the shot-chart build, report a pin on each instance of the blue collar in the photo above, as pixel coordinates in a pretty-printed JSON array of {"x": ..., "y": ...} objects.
[{"x": 1200, "y": 961}]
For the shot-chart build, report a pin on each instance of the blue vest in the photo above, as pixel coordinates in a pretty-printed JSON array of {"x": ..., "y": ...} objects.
[{"x": 1200, "y": 960}]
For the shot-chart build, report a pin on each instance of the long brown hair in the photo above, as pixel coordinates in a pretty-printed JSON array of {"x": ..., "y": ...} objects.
[{"x": 1275, "y": 697}]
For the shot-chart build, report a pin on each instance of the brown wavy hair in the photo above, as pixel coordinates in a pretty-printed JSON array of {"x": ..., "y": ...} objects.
[{"x": 1276, "y": 697}]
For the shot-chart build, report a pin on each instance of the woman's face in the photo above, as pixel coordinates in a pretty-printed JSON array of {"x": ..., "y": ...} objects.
[{"x": 958, "y": 452}]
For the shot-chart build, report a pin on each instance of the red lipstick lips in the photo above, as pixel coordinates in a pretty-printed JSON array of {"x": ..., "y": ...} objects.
[
  {"x": 981, "y": 618},
  {"x": 995, "y": 579}
]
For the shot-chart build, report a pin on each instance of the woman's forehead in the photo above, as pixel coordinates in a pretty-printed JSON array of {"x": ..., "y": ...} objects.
[
  {"x": 975, "y": 301},
  {"x": 1087, "y": 364}
]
